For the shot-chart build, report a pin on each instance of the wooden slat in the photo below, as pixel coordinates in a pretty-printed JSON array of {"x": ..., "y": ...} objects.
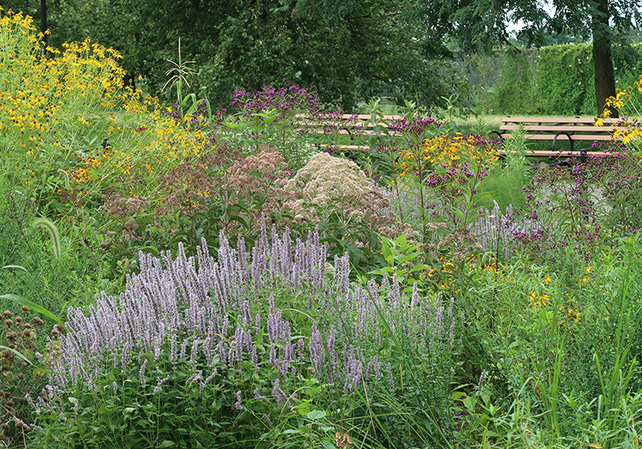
[
  {"x": 557, "y": 120},
  {"x": 568, "y": 128},
  {"x": 550, "y": 153},
  {"x": 345, "y": 132},
  {"x": 358, "y": 125},
  {"x": 345, "y": 147},
  {"x": 586, "y": 137},
  {"x": 362, "y": 117}
]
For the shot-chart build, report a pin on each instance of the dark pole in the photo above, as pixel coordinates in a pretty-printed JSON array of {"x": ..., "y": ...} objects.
[{"x": 43, "y": 20}]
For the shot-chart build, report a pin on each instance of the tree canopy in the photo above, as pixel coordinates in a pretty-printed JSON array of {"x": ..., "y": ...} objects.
[
  {"x": 479, "y": 25},
  {"x": 345, "y": 50}
]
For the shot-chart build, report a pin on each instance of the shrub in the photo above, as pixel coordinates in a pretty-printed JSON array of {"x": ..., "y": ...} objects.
[{"x": 241, "y": 340}]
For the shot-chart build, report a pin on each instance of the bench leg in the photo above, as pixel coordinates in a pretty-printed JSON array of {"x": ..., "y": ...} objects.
[{"x": 570, "y": 139}]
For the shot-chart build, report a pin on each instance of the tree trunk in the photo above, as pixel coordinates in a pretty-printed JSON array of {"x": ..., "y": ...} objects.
[
  {"x": 43, "y": 20},
  {"x": 603, "y": 64}
]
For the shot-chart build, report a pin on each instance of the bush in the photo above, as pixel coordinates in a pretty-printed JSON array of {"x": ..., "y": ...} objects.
[{"x": 244, "y": 340}]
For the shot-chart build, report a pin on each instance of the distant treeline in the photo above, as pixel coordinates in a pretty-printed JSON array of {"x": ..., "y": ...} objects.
[{"x": 553, "y": 80}]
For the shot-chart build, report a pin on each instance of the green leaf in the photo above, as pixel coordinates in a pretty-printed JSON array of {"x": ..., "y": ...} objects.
[
  {"x": 387, "y": 251},
  {"x": 32, "y": 305},
  {"x": 16, "y": 266},
  {"x": 240, "y": 220},
  {"x": 17, "y": 354},
  {"x": 402, "y": 241},
  {"x": 150, "y": 250},
  {"x": 316, "y": 414},
  {"x": 167, "y": 443}
]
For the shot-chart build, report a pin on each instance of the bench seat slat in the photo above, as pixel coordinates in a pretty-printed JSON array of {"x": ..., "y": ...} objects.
[
  {"x": 585, "y": 137},
  {"x": 557, "y": 120},
  {"x": 568, "y": 129},
  {"x": 549, "y": 153}
]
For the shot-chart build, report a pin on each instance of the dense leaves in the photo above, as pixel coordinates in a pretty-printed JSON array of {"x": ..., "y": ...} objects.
[
  {"x": 345, "y": 51},
  {"x": 480, "y": 25}
]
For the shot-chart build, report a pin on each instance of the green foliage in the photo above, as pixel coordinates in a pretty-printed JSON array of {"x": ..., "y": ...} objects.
[
  {"x": 53, "y": 233},
  {"x": 483, "y": 71},
  {"x": 169, "y": 405},
  {"x": 554, "y": 331},
  {"x": 557, "y": 80},
  {"x": 514, "y": 91},
  {"x": 271, "y": 42},
  {"x": 399, "y": 256},
  {"x": 22, "y": 336},
  {"x": 570, "y": 358},
  {"x": 563, "y": 79},
  {"x": 504, "y": 185}
]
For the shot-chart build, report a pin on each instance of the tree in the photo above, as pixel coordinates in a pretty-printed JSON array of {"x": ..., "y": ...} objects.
[
  {"x": 346, "y": 50},
  {"x": 482, "y": 24}
]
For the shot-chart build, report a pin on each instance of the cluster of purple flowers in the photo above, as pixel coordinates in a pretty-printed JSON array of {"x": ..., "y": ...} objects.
[
  {"x": 284, "y": 99},
  {"x": 414, "y": 127},
  {"x": 180, "y": 310},
  {"x": 498, "y": 231}
]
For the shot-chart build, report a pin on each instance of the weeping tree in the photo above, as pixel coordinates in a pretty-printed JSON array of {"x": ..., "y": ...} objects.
[{"x": 480, "y": 25}]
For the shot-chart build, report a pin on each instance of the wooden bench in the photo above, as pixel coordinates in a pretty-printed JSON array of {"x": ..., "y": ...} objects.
[
  {"x": 359, "y": 127},
  {"x": 573, "y": 129}
]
